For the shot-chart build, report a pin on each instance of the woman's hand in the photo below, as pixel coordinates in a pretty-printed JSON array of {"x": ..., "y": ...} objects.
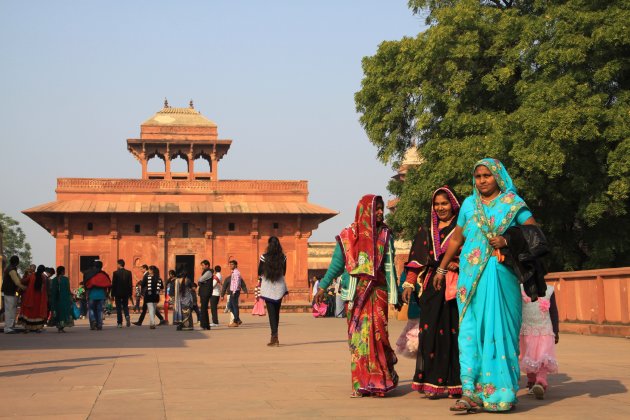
[
  {"x": 452, "y": 266},
  {"x": 319, "y": 297},
  {"x": 438, "y": 279},
  {"x": 498, "y": 242},
  {"x": 406, "y": 294}
]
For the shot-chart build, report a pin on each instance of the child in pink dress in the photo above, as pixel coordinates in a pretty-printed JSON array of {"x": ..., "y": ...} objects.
[{"x": 539, "y": 335}]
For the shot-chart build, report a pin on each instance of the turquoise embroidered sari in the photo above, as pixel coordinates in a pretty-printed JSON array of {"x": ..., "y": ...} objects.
[{"x": 489, "y": 297}]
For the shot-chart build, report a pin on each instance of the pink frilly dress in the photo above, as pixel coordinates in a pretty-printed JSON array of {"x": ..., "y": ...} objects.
[{"x": 537, "y": 339}]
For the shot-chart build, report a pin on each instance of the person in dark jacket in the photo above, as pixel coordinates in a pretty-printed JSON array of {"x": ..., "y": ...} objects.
[
  {"x": 122, "y": 291},
  {"x": 205, "y": 292},
  {"x": 152, "y": 285},
  {"x": 145, "y": 269}
]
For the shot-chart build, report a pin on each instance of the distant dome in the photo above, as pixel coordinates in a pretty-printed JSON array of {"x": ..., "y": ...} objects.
[{"x": 168, "y": 116}]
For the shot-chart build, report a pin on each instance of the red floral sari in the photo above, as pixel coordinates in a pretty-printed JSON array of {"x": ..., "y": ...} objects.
[
  {"x": 34, "y": 310},
  {"x": 372, "y": 356}
]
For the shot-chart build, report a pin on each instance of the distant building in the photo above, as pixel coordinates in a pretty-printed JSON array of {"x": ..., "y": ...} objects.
[{"x": 177, "y": 219}]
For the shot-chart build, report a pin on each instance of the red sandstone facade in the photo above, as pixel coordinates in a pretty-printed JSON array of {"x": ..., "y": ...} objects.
[{"x": 179, "y": 219}]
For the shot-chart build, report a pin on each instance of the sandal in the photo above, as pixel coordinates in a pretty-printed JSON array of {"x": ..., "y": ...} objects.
[
  {"x": 356, "y": 395},
  {"x": 468, "y": 407}
]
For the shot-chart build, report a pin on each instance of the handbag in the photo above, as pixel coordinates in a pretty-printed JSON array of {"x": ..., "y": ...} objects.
[
  {"x": 76, "y": 312},
  {"x": 451, "y": 285},
  {"x": 319, "y": 310},
  {"x": 259, "y": 307}
]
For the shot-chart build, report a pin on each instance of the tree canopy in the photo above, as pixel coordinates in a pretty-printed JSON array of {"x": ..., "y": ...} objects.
[
  {"x": 542, "y": 86},
  {"x": 14, "y": 241}
]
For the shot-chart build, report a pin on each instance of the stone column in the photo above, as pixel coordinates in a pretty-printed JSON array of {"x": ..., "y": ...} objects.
[
  {"x": 191, "y": 166},
  {"x": 143, "y": 161},
  {"x": 214, "y": 176},
  {"x": 209, "y": 237},
  {"x": 167, "y": 163},
  {"x": 113, "y": 244},
  {"x": 161, "y": 247}
]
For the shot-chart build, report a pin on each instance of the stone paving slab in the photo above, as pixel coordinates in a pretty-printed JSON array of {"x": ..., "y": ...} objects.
[{"x": 230, "y": 373}]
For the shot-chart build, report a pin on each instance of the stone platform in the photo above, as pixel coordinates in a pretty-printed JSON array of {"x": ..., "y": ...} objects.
[{"x": 230, "y": 373}]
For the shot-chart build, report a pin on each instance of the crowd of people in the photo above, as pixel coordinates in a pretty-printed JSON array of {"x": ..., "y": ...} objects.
[
  {"x": 44, "y": 297},
  {"x": 475, "y": 325},
  {"x": 476, "y": 315}
]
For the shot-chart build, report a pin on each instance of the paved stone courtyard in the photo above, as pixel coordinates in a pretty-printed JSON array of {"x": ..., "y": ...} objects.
[{"x": 229, "y": 373}]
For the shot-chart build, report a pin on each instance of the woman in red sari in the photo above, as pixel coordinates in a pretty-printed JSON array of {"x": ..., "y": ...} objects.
[
  {"x": 34, "y": 309},
  {"x": 366, "y": 250}
]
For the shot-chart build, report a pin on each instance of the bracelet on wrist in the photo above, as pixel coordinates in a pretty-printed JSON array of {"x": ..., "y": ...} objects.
[
  {"x": 441, "y": 270},
  {"x": 406, "y": 285}
]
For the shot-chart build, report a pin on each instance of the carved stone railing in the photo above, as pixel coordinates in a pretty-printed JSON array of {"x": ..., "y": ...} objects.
[
  {"x": 593, "y": 301},
  {"x": 108, "y": 185}
]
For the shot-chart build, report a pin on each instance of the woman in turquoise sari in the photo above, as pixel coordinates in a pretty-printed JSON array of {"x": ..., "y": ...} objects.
[{"x": 488, "y": 292}]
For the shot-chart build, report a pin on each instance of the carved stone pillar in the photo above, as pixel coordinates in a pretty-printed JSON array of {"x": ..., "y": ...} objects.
[
  {"x": 113, "y": 244},
  {"x": 191, "y": 166},
  {"x": 214, "y": 167},
  {"x": 143, "y": 161},
  {"x": 209, "y": 236},
  {"x": 167, "y": 163},
  {"x": 162, "y": 247}
]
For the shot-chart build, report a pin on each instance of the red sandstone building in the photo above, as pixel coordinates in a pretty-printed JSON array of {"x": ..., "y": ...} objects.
[{"x": 177, "y": 219}]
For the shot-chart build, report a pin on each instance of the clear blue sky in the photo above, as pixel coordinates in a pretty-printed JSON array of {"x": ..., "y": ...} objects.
[{"x": 278, "y": 77}]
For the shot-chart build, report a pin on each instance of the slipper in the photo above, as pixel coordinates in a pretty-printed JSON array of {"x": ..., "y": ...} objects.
[{"x": 463, "y": 405}]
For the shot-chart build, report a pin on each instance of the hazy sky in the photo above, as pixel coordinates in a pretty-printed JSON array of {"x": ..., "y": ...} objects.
[{"x": 278, "y": 77}]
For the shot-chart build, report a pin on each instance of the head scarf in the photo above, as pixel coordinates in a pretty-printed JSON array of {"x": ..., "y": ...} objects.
[
  {"x": 440, "y": 244},
  {"x": 509, "y": 199},
  {"x": 361, "y": 243}
]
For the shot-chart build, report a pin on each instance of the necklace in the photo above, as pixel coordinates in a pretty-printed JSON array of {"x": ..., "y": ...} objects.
[{"x": 489, "y": 200}]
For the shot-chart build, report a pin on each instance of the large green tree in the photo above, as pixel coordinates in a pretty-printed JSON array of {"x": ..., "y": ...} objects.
[
  {"x": 541, "y": 85},
  {"x": 14, "y": 241}
]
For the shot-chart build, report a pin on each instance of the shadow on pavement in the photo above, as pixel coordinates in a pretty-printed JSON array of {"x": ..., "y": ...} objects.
[
  {"x": 35, "y": 371},
  {"x": 563, "y": 387},
  {"x": 75, "y": 360},
  {"x": 312, "y": 342}
]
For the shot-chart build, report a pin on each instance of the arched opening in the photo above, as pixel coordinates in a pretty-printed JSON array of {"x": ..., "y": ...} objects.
[
  {"x": 156, "y": 166},
  {"x": 179, "y": 166},
  {"x": 202, "y": 167}
]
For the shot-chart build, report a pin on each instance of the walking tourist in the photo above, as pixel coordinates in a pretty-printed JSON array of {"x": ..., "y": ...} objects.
[
  {"x": 366, "y": 250},
  {"x": 272, "y": 268},
  {"x": 235, "y": 285},
  {"x": 184, "y": 302},
  {"x": 96, "y": 282},
  {"x": 61, "y": 301},
  {"x": 152, "y": 286},
  {"x": 138, "y": 295},
  {"x": 488, "y": 292},
  {"x": 143, "y": 282},
  {"x": 11, "y": 285},
  {"x": 122, "y": 291},
  {"x": 214, "y": 299},
  {"x": 437, "y": 359},
  {"x": 539, "y": 335},
  {"x": 80, "y": 297},
  {"x": 169, "y": 293},
  {"x": 34, "y": 310},
  {"x": 205, "y": 292}
]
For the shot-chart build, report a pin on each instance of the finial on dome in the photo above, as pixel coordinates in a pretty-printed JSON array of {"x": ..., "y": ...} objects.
[
  {"x": 190, "y": 104},
  {"x": 165, "y": 103}
]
